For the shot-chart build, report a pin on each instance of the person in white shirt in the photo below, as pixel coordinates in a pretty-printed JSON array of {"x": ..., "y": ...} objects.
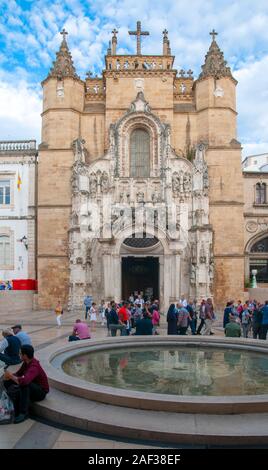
[
  {"x": 183, "y": 301},
  {"x": 139, "y": 301},
  {"x": 93, "y": 315}
]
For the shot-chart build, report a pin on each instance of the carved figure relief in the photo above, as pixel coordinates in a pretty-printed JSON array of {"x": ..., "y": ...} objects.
[
  {"x": 187, "y": 182},
  {"x": 193, "y": 275},
  {"x": 104, "y": 182},
  {"x": 140, "y": 197},
  {"x": 93, "y": 184},
  {"x": 80, "y": 151}
]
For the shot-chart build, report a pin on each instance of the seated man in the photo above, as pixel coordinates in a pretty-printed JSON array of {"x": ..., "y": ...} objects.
[
  {"x": 80, "y": 331},
  {"x": 144, "y": 326},
  {"x": 22, "y": 335},
  {"x": 10, "y": 348},
  {"x": 232, "y": 329},
  {"x": 27, "y": 385}
]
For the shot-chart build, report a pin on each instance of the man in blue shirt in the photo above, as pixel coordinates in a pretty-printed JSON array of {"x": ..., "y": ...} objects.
[
  {"x": 264, "y": 324},
  {"x": 22, "y": 335},
  {"x": 88, "y": 304}
]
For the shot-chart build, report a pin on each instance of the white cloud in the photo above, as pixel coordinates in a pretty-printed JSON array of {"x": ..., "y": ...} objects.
[
  {"x": 252, "y": 100},
  {"x": 34, "y": 32},
  {"x": 19, "y": 111}
]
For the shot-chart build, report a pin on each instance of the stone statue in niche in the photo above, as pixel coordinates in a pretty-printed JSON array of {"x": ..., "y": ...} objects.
[
  {"x": 104, "y": 182},
  {"x": 175, "y": 184},
  {"x": 211, "y": 271},
  {"x": 199, "y": 217},
  {"x": 187, "y": 182},
  {"x": 93, "y": 183},
  {"x": 79, "y": 150},
  {"x": 155, "y": 197},
  {"x": 205, "y": 179},
  {"x": 193, "y": 253},
  {"x": 193, "y": 275},
  {"x": 202, "y": 254},
  {"x": 140, "y": 197}
]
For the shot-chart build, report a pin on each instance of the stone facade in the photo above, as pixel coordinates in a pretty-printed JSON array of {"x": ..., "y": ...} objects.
[
  {"x": 18, "y": 166},
  {"x": 85, "y": 165}
]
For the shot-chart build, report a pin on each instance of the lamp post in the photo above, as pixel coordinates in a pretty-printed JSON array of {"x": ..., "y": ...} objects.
[{"x": 254, "y": 280}]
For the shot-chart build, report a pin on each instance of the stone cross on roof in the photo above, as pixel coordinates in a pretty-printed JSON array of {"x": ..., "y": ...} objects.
[
  {"x": 114, "y": 32},
  {"x": 139, "y": 33},
  {"x": 213, "y": 34},
  {"x": 165, "y": 33},
  {"x": 64, "y": 34}
]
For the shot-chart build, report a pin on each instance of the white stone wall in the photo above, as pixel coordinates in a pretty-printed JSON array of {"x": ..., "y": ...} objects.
[{"x": 17, "y": 219}]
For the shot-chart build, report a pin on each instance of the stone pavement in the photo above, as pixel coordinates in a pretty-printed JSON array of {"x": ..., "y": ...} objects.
[{"x": 35, "y": 434}]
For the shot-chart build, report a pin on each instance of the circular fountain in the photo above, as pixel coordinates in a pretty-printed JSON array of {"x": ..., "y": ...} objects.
[{"x": 175, "y": 376}]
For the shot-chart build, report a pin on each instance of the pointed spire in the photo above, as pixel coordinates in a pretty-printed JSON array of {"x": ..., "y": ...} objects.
[
  {"x": 63, "y": 65},
  {"x": 109, "y": 50},
  {"x": 165, "y": 42},
  {"x": 215, "y": 65}
]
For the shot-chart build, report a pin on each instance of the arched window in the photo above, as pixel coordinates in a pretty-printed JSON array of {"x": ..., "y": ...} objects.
[
  {"x": 5, "y": 253},
  {"x": 139, "y": 154},
  {"x": 259, "y": 259},
  {"x": 260, "y": 193}
]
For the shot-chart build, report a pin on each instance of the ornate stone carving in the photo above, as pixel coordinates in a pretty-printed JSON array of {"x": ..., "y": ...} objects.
[
  {"x": 63, "y": 65},
  {"x": 211, "y": 271},
  {"x": 193, "y": 275},
  {"x": 202, "y": 254},
  {"x": 251, "y": 226},
  {"x": 140, "y": 197},
  {"x": 156, "y": 197},
  {"x": 104, "y": 182},
  {"x": 215, "y": 65},
  {"x": 93, "y": 184},
  {"x": 176, "y": 184},
  {"x": 187, "y": 182}
]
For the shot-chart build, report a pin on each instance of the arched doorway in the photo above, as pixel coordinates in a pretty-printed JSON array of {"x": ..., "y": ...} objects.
[{"x": 140, "y": 267}]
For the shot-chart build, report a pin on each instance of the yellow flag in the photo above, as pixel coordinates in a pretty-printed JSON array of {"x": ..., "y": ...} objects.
[{"x": 19, "y": 181}]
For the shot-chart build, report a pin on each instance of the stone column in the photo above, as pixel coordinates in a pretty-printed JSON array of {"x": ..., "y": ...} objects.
[
  {"x": 167, "y": 281},
  {"x": 108, "y": 276},
  {"x": 116, "y": 280}
]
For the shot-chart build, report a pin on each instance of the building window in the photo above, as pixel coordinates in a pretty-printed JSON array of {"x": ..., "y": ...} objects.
[
  {"x": 5, "y": 192},
  {"x": 139, "y": 154},
  {"x": 5, "y": 251},
  {"x": 259, "y": 260},
  {"x": 260, "y": 193}
]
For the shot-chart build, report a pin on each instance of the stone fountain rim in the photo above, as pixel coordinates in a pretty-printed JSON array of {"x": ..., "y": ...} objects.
[{"x": 145, "y": 400}]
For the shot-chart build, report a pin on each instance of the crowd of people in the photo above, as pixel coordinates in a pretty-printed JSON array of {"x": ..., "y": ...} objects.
[
  {"x": 249, "y": 318},
  {"x": 5, "y": 285}
]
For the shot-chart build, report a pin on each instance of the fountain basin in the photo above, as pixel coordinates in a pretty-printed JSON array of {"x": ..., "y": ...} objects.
[{"x": 55, "y": 360}]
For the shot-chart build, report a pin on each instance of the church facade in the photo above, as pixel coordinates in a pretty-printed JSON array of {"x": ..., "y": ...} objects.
[{"x": 136, "y": 181}]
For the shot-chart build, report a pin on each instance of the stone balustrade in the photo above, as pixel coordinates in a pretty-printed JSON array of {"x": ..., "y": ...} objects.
[
  {"x": 17, "y": 145},
  {"x": 124, "y": 63},
  {"x": 183, "y": 87},
  {"x": 95, "y": 89}
]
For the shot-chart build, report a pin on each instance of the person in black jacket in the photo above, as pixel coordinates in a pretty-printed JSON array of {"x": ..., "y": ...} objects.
[
  {"x": 10, "y": 348},
  {"x": 113, "y": 320},
  {"x": 144, "y": 326}
]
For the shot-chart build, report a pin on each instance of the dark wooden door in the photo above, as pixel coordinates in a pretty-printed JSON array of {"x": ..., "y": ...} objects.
[{"x": 140, "y": 274}]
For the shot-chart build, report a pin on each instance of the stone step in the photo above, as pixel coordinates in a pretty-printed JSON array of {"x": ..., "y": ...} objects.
[
  {"x": 16, "y": 301},
  {"x": 165, "y": 427}
]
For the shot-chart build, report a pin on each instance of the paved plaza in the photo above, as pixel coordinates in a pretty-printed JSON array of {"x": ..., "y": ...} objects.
[{"x": 32, "y": 433}]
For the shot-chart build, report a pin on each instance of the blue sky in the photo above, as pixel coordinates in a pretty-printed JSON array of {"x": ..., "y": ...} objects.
[{"x": 29, "y": 39}]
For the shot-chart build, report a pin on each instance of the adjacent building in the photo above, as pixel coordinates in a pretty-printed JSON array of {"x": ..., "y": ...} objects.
[{"x": 18, "y": 166}]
